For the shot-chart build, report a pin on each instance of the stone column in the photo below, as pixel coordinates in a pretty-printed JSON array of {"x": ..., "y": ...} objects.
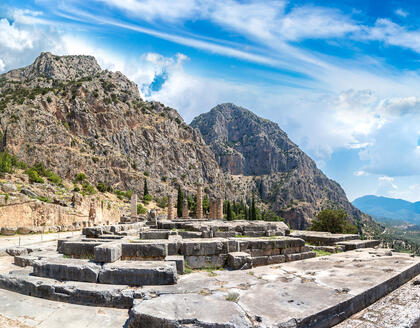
[
  {"x": 199, "y": 211},
  {"x": 170, "y": 207},
  {"x": 185, "y": 210},
  {"x": 92, "y": 212},
  {"x": 219, "y": 209},
  {"x": 133, "y": 214}
]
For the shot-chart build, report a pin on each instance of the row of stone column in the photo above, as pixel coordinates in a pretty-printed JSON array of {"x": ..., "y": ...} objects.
[{"x": 216, "y": 207}]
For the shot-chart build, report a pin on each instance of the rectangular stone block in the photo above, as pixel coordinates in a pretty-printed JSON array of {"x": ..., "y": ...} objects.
[
  {"x": 107, "y": 253},
  {"x": 293, "y": 257},
  {"x": 179, "y": 262},
  {"x": 139, "y": 273},
  {"x": 67, "y": 269},
  {"x": 213, "y": 261},
  {"x": 275, "y": 259},
  {"x": 260, "y": 260},
  {"x": 24, "y": 260},
  {"x": 154, "y": 234},
  {"x": 190, "y": 234},
  {"x": 83, "y": 250},
  {"x": 239, "y": 260},
  {"x": 307, "y": 255},
  {"x": 224, "y": 234},
  {"x": 203, "y": 247},
  {"x": 144, "y": 250}
]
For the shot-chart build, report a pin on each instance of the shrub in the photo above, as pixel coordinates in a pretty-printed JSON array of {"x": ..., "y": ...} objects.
[
  {"x": 80, "y": 177},
  {"x": 164, "y": 178},
  {"x": 103, "y": 187},
  {"x": 141, "y": 209},
  {"x": 49, "y": 99},
  {"x": 120, "y": 194},
  {"x": 147, "y": 198},
  {"x": 162, "y": 202},
  {"x": 34, "y": 176},
  {"x": 6, "y": 162},
  {"x": 146, "y": 173},
  {"x": 88, "y": 189},
  {"x": 334, "y": 221}
]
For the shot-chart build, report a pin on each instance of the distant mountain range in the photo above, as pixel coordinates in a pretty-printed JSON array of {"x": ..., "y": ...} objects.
[{"x": 389, "y": 208}]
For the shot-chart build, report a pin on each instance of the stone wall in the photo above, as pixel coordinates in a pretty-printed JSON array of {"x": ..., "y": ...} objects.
[{"x": 29, "y": 216}]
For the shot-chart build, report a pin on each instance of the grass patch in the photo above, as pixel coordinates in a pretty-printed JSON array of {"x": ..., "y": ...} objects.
[
  {"x": 232, "y": 297},
  {"x": 320, "y": 252}
]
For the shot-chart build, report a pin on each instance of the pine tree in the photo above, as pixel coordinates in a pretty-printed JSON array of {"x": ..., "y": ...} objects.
[
  {"x": 253, "y": 209},
  {"x": 246, "y": 212},
  {"x": 145, "y": 189},
  {"x": 229, "y": 214},
  {"x": 179, "y": 202}
]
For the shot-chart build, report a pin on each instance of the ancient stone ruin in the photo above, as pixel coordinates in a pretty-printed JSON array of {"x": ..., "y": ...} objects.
[{"x": 145, "y": 265}]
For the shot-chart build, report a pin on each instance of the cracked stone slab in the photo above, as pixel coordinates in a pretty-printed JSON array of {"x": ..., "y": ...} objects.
[{"x": 175, "y": 311}]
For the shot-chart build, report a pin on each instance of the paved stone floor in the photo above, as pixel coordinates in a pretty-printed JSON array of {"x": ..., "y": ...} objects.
[
  {"x": 399, "y": 309},
  {"x": 37, "y": 239},
  {"x": 20, "y": 311}
]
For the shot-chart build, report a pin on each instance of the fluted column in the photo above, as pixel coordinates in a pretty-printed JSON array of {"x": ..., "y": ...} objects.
[
  {"x": 185, "y": 210},
  {"x": 199, "y": 210},
  {"x": 133, "y": 213},
  {"x": 219, "y": 209}
]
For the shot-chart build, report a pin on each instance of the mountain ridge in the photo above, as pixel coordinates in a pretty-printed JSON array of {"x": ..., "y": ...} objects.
[{"x": 390, "y": 208}]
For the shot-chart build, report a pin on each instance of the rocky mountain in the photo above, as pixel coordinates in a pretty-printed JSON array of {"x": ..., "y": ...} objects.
[
  {"x": 69, "y": 114},
  {"x": 389, "y": 208},
  {"x": 74, "y": 117},
  {"x": 263, "y": 159}
]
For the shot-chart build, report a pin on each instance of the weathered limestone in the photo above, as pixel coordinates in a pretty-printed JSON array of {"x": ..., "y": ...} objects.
[
  {"x": 354, "y": 244},
  {"x": 212, "y": 203},
  {"x": 185, "y": 210},
  {"x": 199, "y": 210},
  {"x": 108, "y": 253},
  {"x": 133, "y": 213},
  {"x": 219, "y": 209},
  {"x": 138, "y": 273},
  {"x": 67, "y": 269},
  {"x": 144, "y": 251},
  {"x": 170, "y": 207},
  {"x": 322, "y": 238},
  {"x": 179, "y": 262},
  {"x": 239, "y": 261},
  {"x": 92, "y": 211}
]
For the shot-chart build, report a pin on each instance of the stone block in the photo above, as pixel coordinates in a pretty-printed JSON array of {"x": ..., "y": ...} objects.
[
  {"x": 275, "y": 259},
  {"x": 16, "y": 251},
  {"x": 84, "y": 250},
  {"x": 293, "y": 257},
  {"x": 239, "y": 260},
  {"x": 107, "y": 253},
  {"x": 25, "y": 260},
  {"x": 144, "y": 250},
  {"x": 139, "y": 273},
  {"x": 259, "y": 260},
  {"x": 308, "y": 255},
  {"x": 67, "y": 269},
  {"x": 224, "y": 234},
  {"x": 8, "y": 231},
  {"x": 203, "y": 247},
  {"x": 154, "y": 234},
  {"x": 179, "y": 262},
  {"x": 213, "y": 261},
  {"x": 190, "y": 234}
]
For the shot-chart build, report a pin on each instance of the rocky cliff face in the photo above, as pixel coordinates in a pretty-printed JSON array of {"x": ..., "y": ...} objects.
[
  {"x": 72, "y": 116},
  {"x": 283, "y": 176}
]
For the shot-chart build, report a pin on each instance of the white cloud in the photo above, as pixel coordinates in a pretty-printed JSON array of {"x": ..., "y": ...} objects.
[
  {"x": 360, "y": 173},
  {"x": 14, "y": 38},
  {"x": 401, "y": 12}
]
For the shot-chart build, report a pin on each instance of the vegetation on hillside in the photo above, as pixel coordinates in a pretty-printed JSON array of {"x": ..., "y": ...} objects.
[{"x": 334, "y": 221}]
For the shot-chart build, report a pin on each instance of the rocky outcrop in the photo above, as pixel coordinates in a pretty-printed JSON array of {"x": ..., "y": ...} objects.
[
  {"x": 267, "y": 162},
  {"x": 72, "y": 116}
]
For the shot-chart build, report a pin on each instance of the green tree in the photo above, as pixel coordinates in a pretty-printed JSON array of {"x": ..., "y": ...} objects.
[
  {"x": 179, "y": 202},
  {"x": 206, "y": 204},
  {"x": 145, "y": 189},
  {"x": 334, "y": 221},
  {"x": 253, "y": 209},
  {"x": 229, "y": 212}
]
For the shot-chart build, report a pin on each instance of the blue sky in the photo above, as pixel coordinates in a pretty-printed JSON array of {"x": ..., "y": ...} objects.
[{"x": 341, "y": 78}]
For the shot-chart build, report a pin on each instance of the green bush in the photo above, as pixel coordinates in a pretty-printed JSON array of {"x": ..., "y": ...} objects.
[
  {"x": 34, "y": 176},
  {"x": 88, "y": 189},
  {"x": 141, "y": 209},
  {"x": 103, "y": 187},
  {"x": 162, "y": 202},
  {"x": 334, "y": 221},
  {"x": 80, "y": 177},
  {"x": 6, "y": 163},
  {"x": 147, "y": 198},
  {"x": 120, "y": 194}
]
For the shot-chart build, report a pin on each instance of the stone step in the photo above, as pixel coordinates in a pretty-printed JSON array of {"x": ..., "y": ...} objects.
[
  {"x": 355, "y": 244},
  {"x": 135, "y": 273},
  {"x": 322, "y": 238}
]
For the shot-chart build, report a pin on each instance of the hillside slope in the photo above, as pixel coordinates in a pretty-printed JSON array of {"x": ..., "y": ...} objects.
[
  {"x": 283, "y": 176},
  {"x": 69, "y": 114},
  {"x": 390, "y": 208}
]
